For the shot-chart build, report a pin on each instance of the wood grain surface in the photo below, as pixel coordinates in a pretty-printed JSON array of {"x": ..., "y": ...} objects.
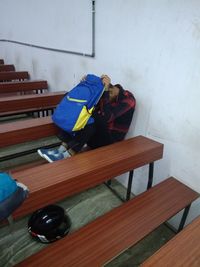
[
  {"x": 53, "y": 182},
  {"x": 22, "y": 86},
  {"x": 182, "y": 250},
  {"x": 109, "y": 235}
]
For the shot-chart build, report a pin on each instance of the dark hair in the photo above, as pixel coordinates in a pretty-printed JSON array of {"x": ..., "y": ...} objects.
[{"x": 119, "y": 86}]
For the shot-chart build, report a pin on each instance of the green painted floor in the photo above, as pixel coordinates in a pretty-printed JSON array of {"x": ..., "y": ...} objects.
[{"x": 82, "y": 209}]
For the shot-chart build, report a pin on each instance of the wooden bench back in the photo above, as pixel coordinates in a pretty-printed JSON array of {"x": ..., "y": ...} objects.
[
  {"x": 100, "y": 241},
  {"x": 11, "y": 104},
  {"x": 1, "y": 61},
  {"x": 7, "y": 68},
  {"x": 53, "y": 182},
  {"x": 13, "y": 75},
  {"x": 22, "y": 86},
  {"x": 182, "y": 250}
]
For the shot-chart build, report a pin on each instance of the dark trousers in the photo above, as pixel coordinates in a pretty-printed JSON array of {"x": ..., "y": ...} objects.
[
  {"x": 91, "y": 135},
  {"x": 77, "y": 140}
]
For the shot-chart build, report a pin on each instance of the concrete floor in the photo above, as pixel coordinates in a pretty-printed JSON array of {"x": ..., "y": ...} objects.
[{"x": 82, "y": 209}]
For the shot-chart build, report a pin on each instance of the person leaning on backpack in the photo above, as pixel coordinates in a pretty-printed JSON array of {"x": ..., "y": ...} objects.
[{"x": 112, "y": 118}]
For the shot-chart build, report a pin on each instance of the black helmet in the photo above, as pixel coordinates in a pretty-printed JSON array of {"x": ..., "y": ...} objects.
[{"x": 49, "y": 223}]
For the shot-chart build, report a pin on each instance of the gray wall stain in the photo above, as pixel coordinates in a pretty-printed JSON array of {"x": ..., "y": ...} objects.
[
  {"x": 17, "y": 60},
  {"x": 34, "y": 64},
  {"x": 56, "y": 74},
  {"x": 196, "y": 29}
]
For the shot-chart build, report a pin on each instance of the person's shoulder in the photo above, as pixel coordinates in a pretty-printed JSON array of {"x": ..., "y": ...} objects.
[
  {"x": 129, "y": 98},
  {"x": 127, "y": 93}
]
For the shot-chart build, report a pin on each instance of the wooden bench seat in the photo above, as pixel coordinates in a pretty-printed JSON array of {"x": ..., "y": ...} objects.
[
  {"x": 19, "y": 104},
  {"x": 105, "y": 238},
  {"x": 13, "y": 75},
  {"x": 1, "y": 61},
  {"x": 182, "y": 250},
  {"x": 23, "y": 86},
  {"x": 13, "y": 133},
  {"x": 7, "y": 68},
  {"x": 53, "y": 182}
]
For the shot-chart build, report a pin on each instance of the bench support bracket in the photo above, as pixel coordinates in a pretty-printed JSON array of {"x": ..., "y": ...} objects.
[
  {"x": 150, "y": 181},
  {"x": 184, "y": 217},
  {"x": 128, "y": 192},
  {"x": 130, "y": 180}
]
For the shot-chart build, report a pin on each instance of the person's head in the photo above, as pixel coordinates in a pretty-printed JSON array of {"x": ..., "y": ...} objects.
[{"x": 114, "y": 91}]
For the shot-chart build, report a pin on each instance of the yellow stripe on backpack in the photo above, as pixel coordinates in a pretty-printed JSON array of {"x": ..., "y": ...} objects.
[{"x": 83, "y": 118}]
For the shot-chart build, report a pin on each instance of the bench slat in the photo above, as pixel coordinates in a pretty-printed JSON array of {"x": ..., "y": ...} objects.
[
  {"x": 27, "y": 130},
  {"x": 23, "y": 102},
  {"x": 182, "y": 250},
  {"x": 7, "y": 68},
  {"x": 13, "y": 75},
  {"x": 22, "y": 86},
  {"x": 53, "y": 182},
  {"x": 109, "y": 235}
]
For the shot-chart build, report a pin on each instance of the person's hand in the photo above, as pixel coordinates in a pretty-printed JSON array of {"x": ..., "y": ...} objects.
[{"x": 106, "y": 81}]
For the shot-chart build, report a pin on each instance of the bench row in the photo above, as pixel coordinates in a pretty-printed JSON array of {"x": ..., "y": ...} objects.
[
  {"x": 13, "y": 75},
  {"x": 7, "y": 68},
  {"x": 24, "y": 103},
  {"x": 13, "y": 133},
  {"x": 182, "y": 250},
  {"x": 23, "y": 86},
  {"x": 103, "y": 239},
  {"x": 53, "y": 182},
  {"x": 121, "y": 228}
]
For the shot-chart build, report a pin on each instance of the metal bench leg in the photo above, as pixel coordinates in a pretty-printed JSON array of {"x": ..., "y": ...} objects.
[
  {"x": 130, "y": 180},
  {"x": 128, "y": 192},
  {"x": 150, "y": 181},
  {"x": 108, "y": 184},
  {"x": 184, "y": 217}
]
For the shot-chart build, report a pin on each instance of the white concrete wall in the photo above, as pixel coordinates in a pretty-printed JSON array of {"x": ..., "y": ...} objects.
[{"x": 152, "y": 48}]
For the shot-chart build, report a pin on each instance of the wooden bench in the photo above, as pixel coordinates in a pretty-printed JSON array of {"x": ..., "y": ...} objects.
[
  {"x": 13, "y": 75},
  {"x": 1, "y": 61},
  {"x": 28, "y": 103},
  {"x": 27, "y": 130},
  {"x": 7, "y": 68},
  {"x": 182, "y": 250},
  {"x": 23, "y": 86},
  {"x": 53, "y": 182},
  {"x": 105, "y": 238}
]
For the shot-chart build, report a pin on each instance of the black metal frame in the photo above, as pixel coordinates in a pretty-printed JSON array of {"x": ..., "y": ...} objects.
[
  {"x": 27, "y": 152},
  {"x": 150, "y": 180},
  {"x": 149, "y": 185},
  {"x": 182, "y": 221},
  {"x": 49, "y": 111},
  {"x": 130, "y": 181},
  {"x": 184, "y": 217}
]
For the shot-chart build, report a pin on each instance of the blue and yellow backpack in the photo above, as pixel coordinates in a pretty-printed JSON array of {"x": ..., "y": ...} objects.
[{"x": 75, "y": 109}]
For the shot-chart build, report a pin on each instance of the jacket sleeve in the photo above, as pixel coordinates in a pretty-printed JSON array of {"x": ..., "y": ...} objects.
[{"x": 109, "y": 113}]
